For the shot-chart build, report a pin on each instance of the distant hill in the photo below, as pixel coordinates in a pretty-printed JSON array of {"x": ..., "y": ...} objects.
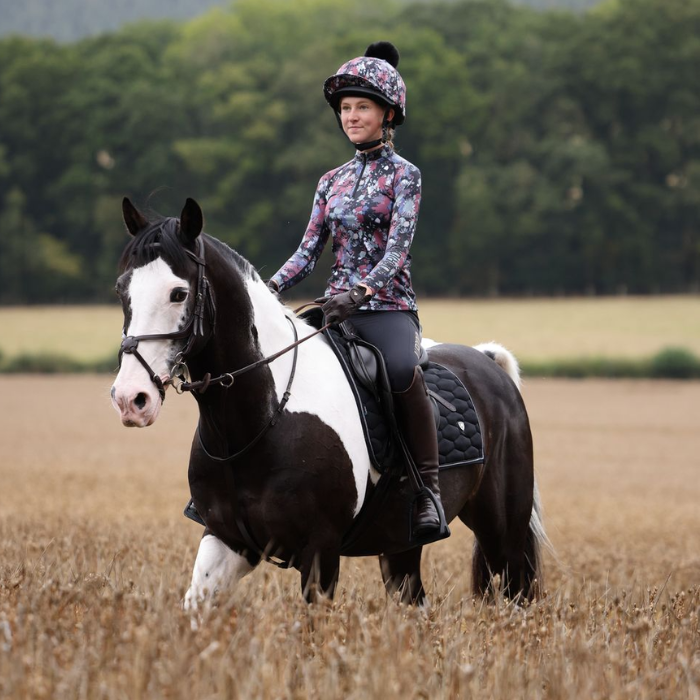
[
  {"x": 576, "y": 5},
  {"x": 68, "y": 20}
]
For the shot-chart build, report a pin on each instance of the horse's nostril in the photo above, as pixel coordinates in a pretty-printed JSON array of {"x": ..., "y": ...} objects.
[
  {"x": 113, "y": 392},
  {"x": 140, "y": 400}
]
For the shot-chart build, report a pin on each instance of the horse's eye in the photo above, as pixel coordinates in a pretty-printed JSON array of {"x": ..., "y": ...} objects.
[{"x": 178, "y": 295}]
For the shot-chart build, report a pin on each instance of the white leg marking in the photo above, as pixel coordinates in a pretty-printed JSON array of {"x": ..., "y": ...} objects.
[
  {"x": 320, "y": 387},
  {"x": 216, "y": 569}
]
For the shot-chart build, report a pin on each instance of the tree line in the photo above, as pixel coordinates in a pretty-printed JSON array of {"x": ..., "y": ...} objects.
[{"x": 560, "y": 152}]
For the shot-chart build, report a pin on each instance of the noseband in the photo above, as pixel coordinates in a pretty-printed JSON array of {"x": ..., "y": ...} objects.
[{"x": 194, "y": 330}]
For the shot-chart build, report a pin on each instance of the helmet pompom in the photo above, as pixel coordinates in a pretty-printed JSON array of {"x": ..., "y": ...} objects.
[{"x": 384, "y": 50}]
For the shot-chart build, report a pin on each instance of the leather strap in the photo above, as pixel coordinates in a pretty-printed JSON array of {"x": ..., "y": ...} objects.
[{"x": 275, "y": 416}]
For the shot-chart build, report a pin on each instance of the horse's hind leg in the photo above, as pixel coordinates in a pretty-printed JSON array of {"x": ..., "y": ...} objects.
[
  {"x": 499, "y": 554},
  {"x": 501, "y": 531},
  {"x": 217, "y": 569},
  {"x": 401, "y": 574}
]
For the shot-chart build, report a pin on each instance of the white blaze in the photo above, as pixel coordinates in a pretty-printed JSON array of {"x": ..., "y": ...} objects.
[{"x": 152, "y": 312}]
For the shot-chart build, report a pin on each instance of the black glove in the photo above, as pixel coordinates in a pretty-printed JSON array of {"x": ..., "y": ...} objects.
[
  {"x": 272, "y": 286},
  {"x": 340, "y": 306}
]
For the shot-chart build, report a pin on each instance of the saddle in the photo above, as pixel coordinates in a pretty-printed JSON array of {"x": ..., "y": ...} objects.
[{"x": 459, "y": 432}]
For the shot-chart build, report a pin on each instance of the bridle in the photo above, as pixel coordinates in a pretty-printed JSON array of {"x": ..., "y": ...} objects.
[
  {"x": 196, "y": 333},
  {"x": 194, "y": 330}
]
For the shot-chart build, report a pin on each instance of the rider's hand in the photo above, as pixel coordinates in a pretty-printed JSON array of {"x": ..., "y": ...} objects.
[
  {"x": 340, "y": 306},
  {"x": 272, "y": 286}
]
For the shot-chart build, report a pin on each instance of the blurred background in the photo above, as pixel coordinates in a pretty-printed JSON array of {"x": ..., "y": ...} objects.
[{"x": 559, "y": 142}]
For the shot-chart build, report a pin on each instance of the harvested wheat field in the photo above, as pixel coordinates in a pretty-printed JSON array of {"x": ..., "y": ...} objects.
[{"x": 95, "y": 559}]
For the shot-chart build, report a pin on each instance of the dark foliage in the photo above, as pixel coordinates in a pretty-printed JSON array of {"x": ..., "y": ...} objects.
[{"x": 559, "y": 151}]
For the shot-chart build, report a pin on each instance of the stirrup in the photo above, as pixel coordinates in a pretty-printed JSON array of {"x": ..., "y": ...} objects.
[
  {"x": 193, "y": 514},
  {"x": 441, "y": 532}
]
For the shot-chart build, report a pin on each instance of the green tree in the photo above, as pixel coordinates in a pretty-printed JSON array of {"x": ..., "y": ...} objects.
[
  {"x": 33, "y": 265},
  {"x": 560, "y": 152}
]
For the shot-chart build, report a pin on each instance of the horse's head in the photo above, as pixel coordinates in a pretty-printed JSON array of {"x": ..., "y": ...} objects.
[{"x": 161, "y": 290}]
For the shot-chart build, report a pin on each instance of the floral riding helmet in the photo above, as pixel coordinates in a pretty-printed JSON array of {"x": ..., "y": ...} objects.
[{"x": 373, "y": 75}]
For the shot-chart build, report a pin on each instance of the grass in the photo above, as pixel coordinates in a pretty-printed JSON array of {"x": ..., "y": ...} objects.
[
  {"x": 616, "y": 336},
  {"x": 82, "y": 333},
  {"x": 95, "y": 559},
  {"x": 545, "y": 329},
  {"x": 669, "y": 363}
]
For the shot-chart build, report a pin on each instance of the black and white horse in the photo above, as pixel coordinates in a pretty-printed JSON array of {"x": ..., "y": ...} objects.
[{"x": 288, "y": 468}]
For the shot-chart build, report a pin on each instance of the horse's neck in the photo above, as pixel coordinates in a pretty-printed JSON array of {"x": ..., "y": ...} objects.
[
  {"x": 271, "y": 318},
  {"x": 276, "y": 329},
  {"x": 231, "y": 417},
  {"x": 252, "y": 324}
]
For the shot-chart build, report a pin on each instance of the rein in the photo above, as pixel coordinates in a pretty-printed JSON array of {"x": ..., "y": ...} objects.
[
  {"x": 226, "y": 380},
  {"x": 275, "y": 415}
]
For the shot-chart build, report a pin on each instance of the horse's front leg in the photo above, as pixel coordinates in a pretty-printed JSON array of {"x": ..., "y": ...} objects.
[
  {"x": 217, "y": 570},
  {"x": 401, "y": 575},
  {"x": 319, "y": 567}
]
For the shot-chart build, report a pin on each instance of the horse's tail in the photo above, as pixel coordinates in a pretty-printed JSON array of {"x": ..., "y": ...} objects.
[
  {"x": 503, "y": 358},
  {"x": 535, "y": 544}
]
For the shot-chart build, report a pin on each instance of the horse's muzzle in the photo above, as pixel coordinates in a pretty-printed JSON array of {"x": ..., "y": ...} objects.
[{"x": 137, "y": 407}]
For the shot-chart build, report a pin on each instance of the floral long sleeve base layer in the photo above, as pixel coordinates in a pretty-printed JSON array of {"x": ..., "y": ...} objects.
[{"x": 369, "y": 207}]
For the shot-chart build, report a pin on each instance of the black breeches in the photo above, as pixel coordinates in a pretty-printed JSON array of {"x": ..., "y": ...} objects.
[{"x": 397, "y": 334}]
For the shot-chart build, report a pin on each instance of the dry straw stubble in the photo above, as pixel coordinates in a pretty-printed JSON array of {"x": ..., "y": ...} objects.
[{"x": 95, "y": 559}]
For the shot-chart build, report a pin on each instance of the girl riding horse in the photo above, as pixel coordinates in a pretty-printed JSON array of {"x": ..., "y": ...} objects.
[
  {"x": 369, "y": 208},
  {"x": 279, "y": 467}
]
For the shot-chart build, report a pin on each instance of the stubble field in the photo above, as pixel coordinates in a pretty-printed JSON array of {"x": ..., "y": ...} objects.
[{"x": 95, "y": 559}]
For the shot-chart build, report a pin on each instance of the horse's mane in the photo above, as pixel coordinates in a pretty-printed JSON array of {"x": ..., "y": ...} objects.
[
  {"x": 161, "y": 239},
  {"x": 244, "y": 266}
]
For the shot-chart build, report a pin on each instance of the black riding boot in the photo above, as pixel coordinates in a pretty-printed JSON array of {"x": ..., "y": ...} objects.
[{"x": 415, "y": 413}]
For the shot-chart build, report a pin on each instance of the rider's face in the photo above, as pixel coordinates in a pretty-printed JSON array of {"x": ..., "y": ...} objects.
[{"x": 361, "y": 118}]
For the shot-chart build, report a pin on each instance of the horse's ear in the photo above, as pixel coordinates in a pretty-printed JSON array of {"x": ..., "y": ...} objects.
[
  {"x": 133, "y": 218},
  {"x": 191, "y": 220}
]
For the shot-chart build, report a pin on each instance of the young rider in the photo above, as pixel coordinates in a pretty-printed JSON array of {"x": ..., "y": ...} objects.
[{"x": 369, "y": 208}]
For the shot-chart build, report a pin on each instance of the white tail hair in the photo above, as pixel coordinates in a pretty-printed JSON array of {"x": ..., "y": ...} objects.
[
  {"x": 503, "y": 358},
  {"x": 537, "y": 524}
]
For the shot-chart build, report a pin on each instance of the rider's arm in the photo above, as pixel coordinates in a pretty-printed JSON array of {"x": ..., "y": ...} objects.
[{"x": 304, "y": 259}]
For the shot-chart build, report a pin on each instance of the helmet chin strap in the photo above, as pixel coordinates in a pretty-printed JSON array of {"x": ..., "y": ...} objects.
[{"x": 368, "y": 145}]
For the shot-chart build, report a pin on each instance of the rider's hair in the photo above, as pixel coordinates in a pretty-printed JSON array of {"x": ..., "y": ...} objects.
[{"x": 390, "y": 138}]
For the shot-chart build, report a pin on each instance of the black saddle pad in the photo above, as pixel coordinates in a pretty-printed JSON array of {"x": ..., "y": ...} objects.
[{"x": 459, "y": 432}]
